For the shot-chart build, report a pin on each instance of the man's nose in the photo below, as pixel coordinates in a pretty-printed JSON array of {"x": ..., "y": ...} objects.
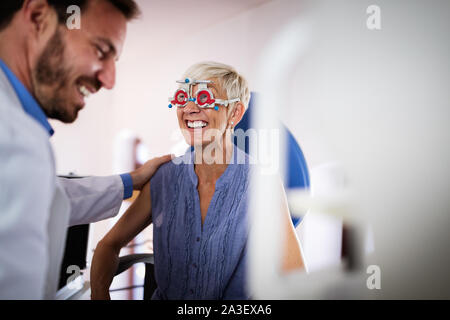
[{"x": 107, "y": 75}]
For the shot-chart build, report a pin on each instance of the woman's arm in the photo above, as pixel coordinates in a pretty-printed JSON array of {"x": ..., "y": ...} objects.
[
  {"x": 106, "y": 255},
  {"x": 292, "y": 255}
]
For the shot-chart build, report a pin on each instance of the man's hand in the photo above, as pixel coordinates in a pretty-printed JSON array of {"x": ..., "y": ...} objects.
[{"x": 142, "y": 175}]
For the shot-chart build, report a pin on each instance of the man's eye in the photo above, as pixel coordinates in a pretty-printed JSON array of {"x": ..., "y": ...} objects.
[{"x": 100, "y": 53}]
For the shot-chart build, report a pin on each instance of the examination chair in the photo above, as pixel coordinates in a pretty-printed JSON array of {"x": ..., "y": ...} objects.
[{"x": 297, "y": 177}]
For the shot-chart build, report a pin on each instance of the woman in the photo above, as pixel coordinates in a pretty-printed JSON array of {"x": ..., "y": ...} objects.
[{"x": 198, "y": 202}]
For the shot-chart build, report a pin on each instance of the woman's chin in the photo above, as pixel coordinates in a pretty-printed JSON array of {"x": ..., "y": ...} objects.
[
  {"x": 193, "y": 142},
  {"x": 199, "y": 143}
]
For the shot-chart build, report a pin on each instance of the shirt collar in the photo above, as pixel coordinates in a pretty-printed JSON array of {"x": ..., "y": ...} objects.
[
  {"x": 29, "y": 104},
  {"x": 237, "y": 157}
]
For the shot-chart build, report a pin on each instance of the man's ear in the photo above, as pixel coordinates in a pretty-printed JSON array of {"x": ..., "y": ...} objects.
[{"x": 41, "y": 17}]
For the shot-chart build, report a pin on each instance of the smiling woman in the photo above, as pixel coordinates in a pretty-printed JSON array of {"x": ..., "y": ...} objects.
[
  {"x": 198, "y": 202},
  {"x": 211, "y": 92}
]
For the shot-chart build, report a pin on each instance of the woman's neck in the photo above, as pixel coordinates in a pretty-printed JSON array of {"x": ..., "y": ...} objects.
[{"x": 211, "y": 161}]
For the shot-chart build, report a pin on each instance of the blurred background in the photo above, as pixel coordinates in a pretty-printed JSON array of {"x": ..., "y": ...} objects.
[{"x": 368, "y": 107}]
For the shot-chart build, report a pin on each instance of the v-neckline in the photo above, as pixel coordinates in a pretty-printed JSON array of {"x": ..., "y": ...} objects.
[
  {"x": 198, "y": 213},
  {"x": 220, "y": 183}
]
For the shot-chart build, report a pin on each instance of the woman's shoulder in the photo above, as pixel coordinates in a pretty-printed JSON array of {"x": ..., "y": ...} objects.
[
  {"x": 241, "y": 157},
  {"x": 169, "y": 171},
  {"x": 166, "y": 170},
  {"x": 243, "y": 163},
  {"x": 166, "y": 182}
]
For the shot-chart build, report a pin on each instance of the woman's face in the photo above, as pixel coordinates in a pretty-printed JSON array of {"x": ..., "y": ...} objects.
[{"x": 201, "y": 126}]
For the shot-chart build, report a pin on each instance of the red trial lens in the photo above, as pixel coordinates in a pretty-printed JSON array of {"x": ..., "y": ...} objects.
[
  {"x": 204, "y": 98},
  {"x": 181, "y": 97}
]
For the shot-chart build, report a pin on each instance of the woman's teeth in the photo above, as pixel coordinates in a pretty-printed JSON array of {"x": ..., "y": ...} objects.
[
  {"x": 84, "y": 91},
  {"x": 196, "y": 124}
]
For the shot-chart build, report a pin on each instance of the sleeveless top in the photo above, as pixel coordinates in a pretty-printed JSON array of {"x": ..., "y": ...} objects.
[{"x": 194, "y": 261}]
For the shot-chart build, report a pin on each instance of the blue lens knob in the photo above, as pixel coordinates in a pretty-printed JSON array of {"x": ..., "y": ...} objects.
[
  {"x": 170, "y": 106},
  {"x": 186, "y": 80},
  {"x": 216, "y": 108}
]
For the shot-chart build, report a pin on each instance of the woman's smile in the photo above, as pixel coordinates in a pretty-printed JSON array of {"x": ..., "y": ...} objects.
[{"x": 196, "y": 124}]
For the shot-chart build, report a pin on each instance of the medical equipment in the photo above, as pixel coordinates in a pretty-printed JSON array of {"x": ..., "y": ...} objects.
[{"x": 204, "y": 97}]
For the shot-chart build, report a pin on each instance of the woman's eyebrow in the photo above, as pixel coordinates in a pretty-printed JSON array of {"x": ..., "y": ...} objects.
[{"x": 212, "y": 87}]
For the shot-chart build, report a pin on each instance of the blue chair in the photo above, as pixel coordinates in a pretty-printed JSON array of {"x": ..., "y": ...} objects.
[{"x": 297, "y": 169}]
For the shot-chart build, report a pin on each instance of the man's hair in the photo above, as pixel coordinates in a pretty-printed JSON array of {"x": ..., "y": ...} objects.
[
  {"x": 8, "y": 8},
  {"x": 234, "y": 83}
]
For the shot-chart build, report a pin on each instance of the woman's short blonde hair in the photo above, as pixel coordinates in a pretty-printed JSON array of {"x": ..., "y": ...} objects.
[{"x": 234, "y": 83}]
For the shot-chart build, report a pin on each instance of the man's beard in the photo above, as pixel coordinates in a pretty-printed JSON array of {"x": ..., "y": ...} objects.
[{"x": 50, "y": 81}]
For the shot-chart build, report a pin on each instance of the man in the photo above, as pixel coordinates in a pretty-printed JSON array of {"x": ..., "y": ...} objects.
[{"x": 47, "y": 71}]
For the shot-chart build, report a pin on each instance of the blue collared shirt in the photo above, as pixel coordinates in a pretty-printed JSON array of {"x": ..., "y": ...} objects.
[
  {"x": 28, "y": 102},
  {"x": 34, "y": 110}
]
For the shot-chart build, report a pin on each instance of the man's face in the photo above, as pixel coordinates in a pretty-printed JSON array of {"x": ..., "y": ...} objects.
[{"x": 77, "y": 63}]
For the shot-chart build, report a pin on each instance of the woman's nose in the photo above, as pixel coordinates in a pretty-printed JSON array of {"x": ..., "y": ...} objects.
[{"x": 191, "y": 107}]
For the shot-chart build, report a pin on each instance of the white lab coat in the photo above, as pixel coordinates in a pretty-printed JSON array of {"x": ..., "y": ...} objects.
[{"x": 36, "y": 207}]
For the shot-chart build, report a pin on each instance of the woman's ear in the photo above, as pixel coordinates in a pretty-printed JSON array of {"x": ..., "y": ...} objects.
[{"x": 238, "y": 114}]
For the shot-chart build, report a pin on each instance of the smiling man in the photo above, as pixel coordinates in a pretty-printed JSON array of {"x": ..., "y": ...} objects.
[{"x": 47, "y": 71}]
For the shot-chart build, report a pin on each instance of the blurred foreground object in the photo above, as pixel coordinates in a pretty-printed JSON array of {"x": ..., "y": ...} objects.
[{"x": 376, "y": 101}]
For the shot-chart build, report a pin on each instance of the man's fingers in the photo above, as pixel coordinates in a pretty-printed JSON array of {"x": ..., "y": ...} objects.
[
  {"x": 144, "y": 173},
  {"x": 159, "y": 161}
]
